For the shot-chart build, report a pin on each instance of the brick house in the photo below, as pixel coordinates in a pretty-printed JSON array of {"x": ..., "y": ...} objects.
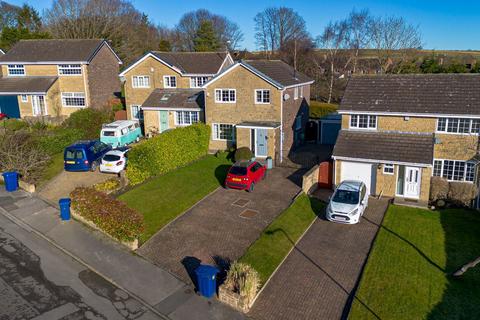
[
  {"x": 400, "y": 130},
  {"x": 57, "y": 77},
  {"x": 260, "y": 104},
  {"x": 164, "y": 89}
]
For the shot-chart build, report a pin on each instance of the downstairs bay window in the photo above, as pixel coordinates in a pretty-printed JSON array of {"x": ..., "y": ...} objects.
[
  {"x": 185, "y": 118},
  {"x": 223, "y": 131},
  {"x": 454, "y": 170}
]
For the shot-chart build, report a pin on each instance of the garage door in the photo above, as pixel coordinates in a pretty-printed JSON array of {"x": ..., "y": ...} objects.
[
  {"x": 329, "y": 132},
  {"x": 359, "y": 171}
]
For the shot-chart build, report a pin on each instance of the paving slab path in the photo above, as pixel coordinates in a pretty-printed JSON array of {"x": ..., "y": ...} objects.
[
  {"x": 223, "y": 225},
  {"x": 318, "y": 278}
]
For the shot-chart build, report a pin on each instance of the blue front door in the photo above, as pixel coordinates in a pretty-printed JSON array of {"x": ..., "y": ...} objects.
[
  {"x": 261, "y": 145},
  {"x": 163, "y": 120}
]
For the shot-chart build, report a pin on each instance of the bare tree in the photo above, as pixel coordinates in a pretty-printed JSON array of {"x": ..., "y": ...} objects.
[
  {"x": 359, "y": 38},
  {"x": 8, "y": 14},
  {"x": 393, "y": 36}
]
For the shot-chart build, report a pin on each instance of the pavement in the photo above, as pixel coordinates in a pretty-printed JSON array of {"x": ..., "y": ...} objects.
[
  {"x": 98, "y": 259},
  {"x": 219, "y": 228},
  {"x": 319, "y": 278}
]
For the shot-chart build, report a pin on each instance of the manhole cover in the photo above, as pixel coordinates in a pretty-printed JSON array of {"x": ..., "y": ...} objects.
[
  {"x": 248, "y": 213},
  {"x": 241, "y": 202}
]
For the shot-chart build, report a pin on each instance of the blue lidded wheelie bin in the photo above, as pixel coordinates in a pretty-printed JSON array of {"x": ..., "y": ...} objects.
[
  {"x": 207, "y": 280},
  {"x": 65, "y": 208},
  {"x": 11, "y": 180}
]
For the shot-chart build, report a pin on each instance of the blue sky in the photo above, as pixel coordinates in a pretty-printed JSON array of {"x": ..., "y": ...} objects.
[{"x": 444, "y": 24}]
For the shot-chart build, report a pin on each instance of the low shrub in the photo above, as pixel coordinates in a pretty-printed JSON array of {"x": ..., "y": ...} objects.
[
  {"x": 243, "y": 279},
  {"x": 14, "y": 124},
  {"x": 167, "y": 151},
  {"x": 243, "y": 153},
  {"x": 55, "y": 140},
  {"x": 462, "y": 193},
  {"x": 109, "y": 214},
  {"x": 88, "y": 121},
  {"x": 108, "y": 185},
  {"x": 438, "y": 189}
]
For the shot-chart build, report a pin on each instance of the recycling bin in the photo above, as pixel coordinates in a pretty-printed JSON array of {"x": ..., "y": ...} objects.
[
  {"x": 207, "y": 280},
  {"x": 269, "y": 163},
  {"x": 11, "y": 181},
  {"x": 65, "y": 208}
]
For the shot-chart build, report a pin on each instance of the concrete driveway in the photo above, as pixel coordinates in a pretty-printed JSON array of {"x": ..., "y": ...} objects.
[
  {"x": 223, "y": 225},
  {"x": 319, "y": 277}
]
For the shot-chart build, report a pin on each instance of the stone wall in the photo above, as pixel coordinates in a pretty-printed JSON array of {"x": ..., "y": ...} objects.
[{"x": 310, "y": 180}]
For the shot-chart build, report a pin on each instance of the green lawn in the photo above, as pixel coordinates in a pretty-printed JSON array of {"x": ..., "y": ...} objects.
[
  {"x": 265, "y": 254},
  {"x": 54, "y": 168},
  {"x": 408, "y": 272},
  {"x": 163, "y": 198}
]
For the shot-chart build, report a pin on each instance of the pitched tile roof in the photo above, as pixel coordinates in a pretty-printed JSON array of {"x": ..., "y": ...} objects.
[
  {"x": 454, "y": 94},
  {"x": 24, "y": 85},
  {"x": 278, "y": 71},
  {"x": 65, "y": 50},
  {"x": 385, "y": 146},
  {"x": 175, "y": 99},
  {"x": 193, "y": 62}
]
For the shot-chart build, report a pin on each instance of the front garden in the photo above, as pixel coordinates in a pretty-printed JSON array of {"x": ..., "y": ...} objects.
[{"x": 408, "y": 273}]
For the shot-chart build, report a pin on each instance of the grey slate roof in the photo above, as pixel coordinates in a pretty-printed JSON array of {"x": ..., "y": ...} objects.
[
  {"x": 25, "y": 85},
  {"x": 385, "y": 146},
  {"x": 454, "y": 94},
  {"x": 65, "y": 50},
  {"x": 175, "y": 99},
  {"x": 278, "y": 71},
  {"x": 193, "y": 62}
]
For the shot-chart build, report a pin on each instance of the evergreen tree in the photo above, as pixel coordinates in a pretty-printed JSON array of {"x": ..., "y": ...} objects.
[{"x": 205, "y": 38}]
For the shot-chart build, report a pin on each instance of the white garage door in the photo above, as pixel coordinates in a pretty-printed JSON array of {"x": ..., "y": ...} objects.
[{"x": 359, "y": 171}]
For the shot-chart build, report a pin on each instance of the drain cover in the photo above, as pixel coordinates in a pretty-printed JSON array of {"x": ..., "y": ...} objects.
[
  {"x": 248, "y": 213},
  {"x": 241, "y": 202}
]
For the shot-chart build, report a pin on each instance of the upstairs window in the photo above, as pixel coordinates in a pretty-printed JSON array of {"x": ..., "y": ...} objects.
[
  {"x": 225, "y": 95},
  {"x": 458, "y": 125},
  {"x": 295, "y": 93},
  {"x": 262, "y": 96},
  {"x": 69, "y": 69},
  {"x": 363, "y": 121},
  {"x": 197, "y": 82},
  {"x": 73, "y": 99},
  {"x": 141, "y": 81},
  {"x": 16, "y": 70},
  {"x": 169, "y": 81}
]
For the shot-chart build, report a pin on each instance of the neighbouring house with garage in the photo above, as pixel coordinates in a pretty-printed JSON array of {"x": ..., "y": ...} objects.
[
  {"x": 164, "y": 89},
  {"x": 260, "y": 104},
  {"x": 400, "y": 130},
  {"x": 54, "y": 78}
]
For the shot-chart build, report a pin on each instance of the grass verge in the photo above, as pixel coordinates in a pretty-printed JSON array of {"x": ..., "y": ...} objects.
[
  {"x": 265, "y": 254},
  {"x": 165, "y": 197},
  {"x": 408, "y": 273},
  {"x": 54, "y": 168}
]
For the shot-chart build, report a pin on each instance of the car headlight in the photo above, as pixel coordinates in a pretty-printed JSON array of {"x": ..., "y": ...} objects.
[{"x": 354, "y": 212}]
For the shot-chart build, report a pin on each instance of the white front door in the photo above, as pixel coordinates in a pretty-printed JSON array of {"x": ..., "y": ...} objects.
[
  {"x": 412, "y": 182},
  {"x": 38, "y": 105}
]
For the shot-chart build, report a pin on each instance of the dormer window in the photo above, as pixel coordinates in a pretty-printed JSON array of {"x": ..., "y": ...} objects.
[
  {"x": 16, "y": 70},
  {"x": 363, "y": 121}
]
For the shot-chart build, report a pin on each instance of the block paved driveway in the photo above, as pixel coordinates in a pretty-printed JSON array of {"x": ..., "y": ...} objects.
[
  {"x": 213, "y": 229},
  {"x": 318, "y": 277}
]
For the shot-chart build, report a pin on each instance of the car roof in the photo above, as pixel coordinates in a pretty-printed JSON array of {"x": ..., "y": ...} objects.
[
  {"x": 116, "y": 152},
  {"x": 119, "y": 124},
  {"x": 244, "y": 163},
  {"x": 82, "y": 143},
  {"x": 350, "y": 185}
]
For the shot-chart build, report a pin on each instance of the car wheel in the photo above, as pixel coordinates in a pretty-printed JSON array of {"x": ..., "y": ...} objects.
[
  {"x": 93, "y": 167},
  {"x": 252, "y": 186}
]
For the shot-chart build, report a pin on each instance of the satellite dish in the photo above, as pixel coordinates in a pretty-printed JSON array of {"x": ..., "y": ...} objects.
[{"x": 286, "y": 96}]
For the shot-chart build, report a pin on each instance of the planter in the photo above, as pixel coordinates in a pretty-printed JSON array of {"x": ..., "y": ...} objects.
[
  {"x": 233, "y": 299},
  {"x": 132, "y": 245}
]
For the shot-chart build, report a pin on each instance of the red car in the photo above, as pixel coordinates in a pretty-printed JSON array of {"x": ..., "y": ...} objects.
[
  {"x": 3, "y": 116},
  {"x": 244, "y": 175}
]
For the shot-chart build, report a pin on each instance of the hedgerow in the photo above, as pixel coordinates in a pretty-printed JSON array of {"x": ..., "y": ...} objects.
[{"x": 167, "y": 151}]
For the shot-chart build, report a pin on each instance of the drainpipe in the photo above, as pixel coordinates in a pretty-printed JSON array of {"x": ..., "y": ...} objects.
[{"x": 281, "y": 125}]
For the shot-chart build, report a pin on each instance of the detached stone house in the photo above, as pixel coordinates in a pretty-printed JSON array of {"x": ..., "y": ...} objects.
[
  {"x": 400, "y": 130},
  {"x": 57, "y": 77},
  {"x": 164, "y": 89},
  {"x": 260, "y": 104}
]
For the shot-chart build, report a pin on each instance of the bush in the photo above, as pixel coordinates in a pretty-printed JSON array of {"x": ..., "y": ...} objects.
[
  {"x": 14, "y": 124},
  {"x": 167, "y": 151},
  {"x": 54, "y": 141},
  {"x": 88, "y": 121},
  {"x": 243, "y": 279},
  {"x": 438, "y": 189},
  {"x": 108, "y": 185},
  {"x": 111, "y": 215},
  {"x": 320, "y": 109},
  {"x": 462, "y": 193},
  {"x": 243, "y": 153}
]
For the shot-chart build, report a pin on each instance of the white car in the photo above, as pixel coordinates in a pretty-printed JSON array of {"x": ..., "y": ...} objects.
[
  {"x": 348, "y": 202},
  {"x": 114, "y": 161}
]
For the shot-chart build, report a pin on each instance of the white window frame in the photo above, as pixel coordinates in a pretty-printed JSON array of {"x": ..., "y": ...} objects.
[
  {"x": 262, "y": 92},
  {"x": 194, "y": 81},
  {"x": 183, "y": 123},
  {"x": 73, "y": 95},
  {"x": 453, "y": 170},
  {"x": 24, "y": 97},
  {"x": 215, "y": 132},
  {"x": 140, "y": 117},
  {"x": 357, "y": 127},
  {"x": 64, "y": 69},
  {"x": 145, "y": 84},
  {"x": 301, "y": 91},
  {"x": 447, "y": 120},
  {"x": 221, "y": 95},
  {"x": 389, "y": 166},
  {"x": 17, "y": 68},
  {"x": 295, "y": 93},
  {"x": 167, "y": 81}
]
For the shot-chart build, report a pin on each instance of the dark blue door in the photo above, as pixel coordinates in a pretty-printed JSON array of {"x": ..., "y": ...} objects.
[
  {"x": 330, "y": 132},
  {"x": 9, "y": 105}
]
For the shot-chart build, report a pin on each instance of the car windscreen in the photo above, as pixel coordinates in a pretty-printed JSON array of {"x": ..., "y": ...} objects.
[
  {"x": 111, "y": 157},
  {"x": 74, "y": 154},
  {"x": 238, "y": 171},
  {"x": 346, "y": 196},
  {"x": 108, "y": 133}
]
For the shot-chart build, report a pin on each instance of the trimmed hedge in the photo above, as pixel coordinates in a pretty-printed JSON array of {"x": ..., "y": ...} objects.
[
  {"x": 111, "y": 215},
  {"x": 89, "y": 121},
  {"x": 167, "y": 151},
  {"x": 320, "y": 109},
  {"x": 54, "y": 141},
  {"x": 243, "y": 153}
]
